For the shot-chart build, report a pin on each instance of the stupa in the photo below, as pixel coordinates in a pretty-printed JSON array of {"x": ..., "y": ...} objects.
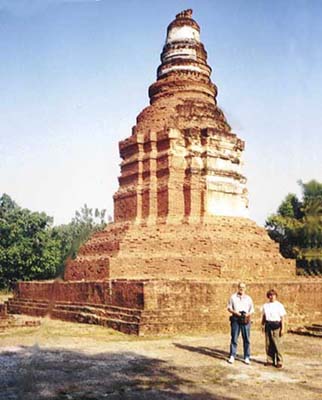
[
  {"x": 181, "y": 235},
  {"x": 181, "y": 207}
]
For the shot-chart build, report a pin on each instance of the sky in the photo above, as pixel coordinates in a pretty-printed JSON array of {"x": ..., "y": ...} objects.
[{"x": 74, "y": 74}]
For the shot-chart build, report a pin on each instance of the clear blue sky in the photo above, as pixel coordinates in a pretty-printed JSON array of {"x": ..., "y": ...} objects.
[{"x": 74, "y": 74}]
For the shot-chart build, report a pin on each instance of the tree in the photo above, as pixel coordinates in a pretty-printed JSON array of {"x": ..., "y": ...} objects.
[
  {"x": 27, "y": 250},
  {"x": 31, "y": 248},
  {"x": 297, "y": 226},
  {"x": 71, "y": 236}
]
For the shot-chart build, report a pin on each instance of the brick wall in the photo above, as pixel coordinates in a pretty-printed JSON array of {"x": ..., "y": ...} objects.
[
  {"x": 202, "y": 301},
  {"x": 169, "y": 307},
  {"x": 121, "y": 293}
]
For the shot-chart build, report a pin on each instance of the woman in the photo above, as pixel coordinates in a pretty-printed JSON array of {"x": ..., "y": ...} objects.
[{"x": 273, "y": 324}]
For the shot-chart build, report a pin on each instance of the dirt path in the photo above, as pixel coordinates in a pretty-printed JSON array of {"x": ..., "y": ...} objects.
[{"x": 70, "y": 361}]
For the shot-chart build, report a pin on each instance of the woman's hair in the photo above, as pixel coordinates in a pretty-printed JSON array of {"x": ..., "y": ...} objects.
[{"x": 271, "y": 292}]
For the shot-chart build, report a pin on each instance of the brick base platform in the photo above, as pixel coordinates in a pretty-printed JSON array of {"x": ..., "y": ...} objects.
[
  {"x": 3, "y": 311},
  {"x": 222, "y": 248},
  {"x": 160, "y": 307},
  {"x": 12, "y": 321}
]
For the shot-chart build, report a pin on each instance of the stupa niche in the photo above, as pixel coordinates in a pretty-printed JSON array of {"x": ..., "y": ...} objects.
[{"x": 182, "y": 162}]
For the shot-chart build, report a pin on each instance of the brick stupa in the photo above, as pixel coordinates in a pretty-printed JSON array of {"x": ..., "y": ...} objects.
[
  {"x": 181, "y": 235},
  {"x": 181, "y": 206}
]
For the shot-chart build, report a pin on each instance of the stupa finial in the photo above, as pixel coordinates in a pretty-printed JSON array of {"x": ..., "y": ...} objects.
[{"x": 185, "y": 14}]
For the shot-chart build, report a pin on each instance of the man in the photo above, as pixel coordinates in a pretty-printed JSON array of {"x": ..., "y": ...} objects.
[
  {"x": 273, "y": 325},
  {"x": 241, "y": 307}
]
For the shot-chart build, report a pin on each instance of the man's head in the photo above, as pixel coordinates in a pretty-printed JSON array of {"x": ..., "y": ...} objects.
[
  {"x": 271, "y": 295},
  {"x": 241, "y": 288}
]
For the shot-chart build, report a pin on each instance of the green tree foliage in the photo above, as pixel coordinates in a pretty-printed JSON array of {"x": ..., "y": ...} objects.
[
  {"x": 297, "y": 226},
  {"x": 73, "y": 235},
  {"x": 32, "y": 249},
  {"x": 27, "y": 249}
]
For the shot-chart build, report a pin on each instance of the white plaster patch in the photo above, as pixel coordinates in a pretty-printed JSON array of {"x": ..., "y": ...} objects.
[
  {"x": 226, "y": 165},
  {"x": 184, "y": 53},
  {"x": 223, "y": 179},
  {"x": 226, "y": 204},
  {"x": 182, "y": 33},
  {"x": 180, "y": 68}
]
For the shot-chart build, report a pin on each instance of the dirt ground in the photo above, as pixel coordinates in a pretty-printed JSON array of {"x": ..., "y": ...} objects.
[{"x": 66, "y": 361}]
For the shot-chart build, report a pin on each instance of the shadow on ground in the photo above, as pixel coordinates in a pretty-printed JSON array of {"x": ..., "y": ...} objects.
[
  {"x": 32, "y": 373},
  {"x": 211, "y": 352}
]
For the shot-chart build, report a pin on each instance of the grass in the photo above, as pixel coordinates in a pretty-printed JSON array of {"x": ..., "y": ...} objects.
[
  {"x": 51, "y": 330},
  {"x": 4, "y": 295},
  {"x": 54, "y": 332}
]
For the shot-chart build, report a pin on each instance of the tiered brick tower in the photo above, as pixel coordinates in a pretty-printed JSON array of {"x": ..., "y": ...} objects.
[
  {"x": 181, "y": 206},
  {"x": 182, "y": 162},
  {"x": 181, "y": 236}
]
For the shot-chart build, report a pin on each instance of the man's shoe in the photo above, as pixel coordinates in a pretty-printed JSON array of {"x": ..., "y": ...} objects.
[
  {"x": 231, "y": 359},
  {"x": 247, "y": 361},
  {"x": 279, "y": 366}
]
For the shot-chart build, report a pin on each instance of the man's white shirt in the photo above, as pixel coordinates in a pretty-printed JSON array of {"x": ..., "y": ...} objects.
[
  {"x": 240, "y": 303},
  {"x": 273, "y": 311}
]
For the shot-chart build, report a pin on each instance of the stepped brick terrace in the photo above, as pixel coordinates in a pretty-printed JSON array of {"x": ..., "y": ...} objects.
[{"x": 181, "y": 235}]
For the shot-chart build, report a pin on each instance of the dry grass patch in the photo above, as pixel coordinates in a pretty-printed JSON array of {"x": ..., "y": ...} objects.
[{"x": 5, "y": 295}]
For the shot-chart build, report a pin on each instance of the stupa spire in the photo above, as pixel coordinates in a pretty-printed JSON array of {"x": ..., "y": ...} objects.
[
  {"x": 183, "y": 50},
  {"x": 183, "y": 27},
  {"x": 183, "y": 59}
]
